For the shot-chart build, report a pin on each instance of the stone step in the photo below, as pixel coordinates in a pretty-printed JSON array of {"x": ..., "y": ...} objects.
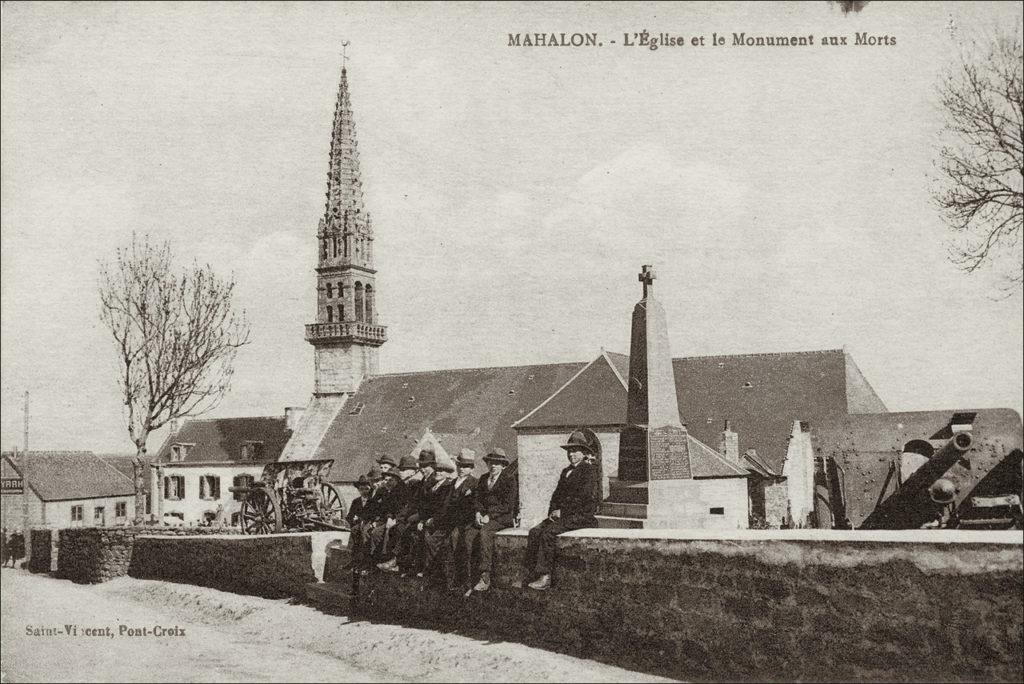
[
  {"x": 329, "y": 595},
  {"x": 624, "y": 510},
  {"x": 624, "y": 491},
  {"x": 612, "y": 522}
]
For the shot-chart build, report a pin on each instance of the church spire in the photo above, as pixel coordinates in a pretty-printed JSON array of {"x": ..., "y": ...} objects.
[{"x": 344, "y": 185}]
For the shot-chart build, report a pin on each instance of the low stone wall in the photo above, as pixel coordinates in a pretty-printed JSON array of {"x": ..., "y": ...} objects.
[
  {"x": 273, "y": 566},
  {"x": 88, "y": 555},
  {"x": 763, "y": 605},
  {"x": 41, "y": 540}
]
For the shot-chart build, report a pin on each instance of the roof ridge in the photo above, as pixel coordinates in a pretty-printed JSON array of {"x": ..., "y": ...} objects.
[
  {"x": 479, "y": 368},
  {"x": 762, "y": 353}
]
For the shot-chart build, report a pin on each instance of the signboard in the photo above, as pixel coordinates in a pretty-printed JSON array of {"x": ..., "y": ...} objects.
[{"x": 12, "y": 485}]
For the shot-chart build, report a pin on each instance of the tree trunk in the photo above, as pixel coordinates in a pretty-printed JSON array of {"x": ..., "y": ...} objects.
[{"x": 138, "y": 468}]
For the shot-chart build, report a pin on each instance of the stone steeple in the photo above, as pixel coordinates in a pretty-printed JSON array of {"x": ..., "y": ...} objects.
[{"x": 346, "y": 334}]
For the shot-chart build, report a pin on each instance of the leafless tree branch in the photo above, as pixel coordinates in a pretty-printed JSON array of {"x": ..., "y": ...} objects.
[
  {"x": 176, "y": 335},
  {"x": 981, "y": 182}
]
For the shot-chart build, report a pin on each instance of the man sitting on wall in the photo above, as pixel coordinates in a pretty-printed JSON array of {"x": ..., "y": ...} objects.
[
  {"x": 460, "y": 512},
  {"x": 573, "y": 506},
  {"x": 497, "y": 504},
  {"x": 396, "y": 523},
  {"x": 357, "y": 517}
]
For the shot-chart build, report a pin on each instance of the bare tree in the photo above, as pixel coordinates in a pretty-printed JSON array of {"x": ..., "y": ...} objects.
[
  {"x": 176, "y": 334},
  {"x": 982, "y": 163}
]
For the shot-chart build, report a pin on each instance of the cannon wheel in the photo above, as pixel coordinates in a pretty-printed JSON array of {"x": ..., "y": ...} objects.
[
  {"x": 332, "y": 504},
  {"x": 261, "y": 512}
]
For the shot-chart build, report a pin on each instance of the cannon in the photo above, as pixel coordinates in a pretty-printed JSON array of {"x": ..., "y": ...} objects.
[{"x": 292, "y": 496}]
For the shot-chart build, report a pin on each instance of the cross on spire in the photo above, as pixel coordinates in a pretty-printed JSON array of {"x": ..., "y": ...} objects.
[
  {"x": 647, "y": 277},
  {"x": 344, "y": 57}
]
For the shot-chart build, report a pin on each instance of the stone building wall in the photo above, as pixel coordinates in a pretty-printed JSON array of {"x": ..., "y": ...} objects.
[
  {"x": 541, "y": 460},
  {"x": 751, "y": 605}
]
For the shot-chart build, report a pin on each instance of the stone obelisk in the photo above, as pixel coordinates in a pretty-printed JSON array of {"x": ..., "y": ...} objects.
[{"x": 654, "y": 444}]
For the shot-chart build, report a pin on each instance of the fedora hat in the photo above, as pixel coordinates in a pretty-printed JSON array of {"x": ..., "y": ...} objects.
[
  {"x": 497, "y": 455},
  {"x": 427, "y": 456},
  {"x": 408, "y": 462},
  {"x": 466, "y": 458},
  {"x": 578, "y": 440},
  {"x": 388, "y": 459},
  {"x": 363, "y": 481},
  {"x": 375, "y": 473}
]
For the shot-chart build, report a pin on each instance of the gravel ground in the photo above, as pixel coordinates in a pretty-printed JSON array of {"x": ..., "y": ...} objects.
[{"x": 229, "y": 637}]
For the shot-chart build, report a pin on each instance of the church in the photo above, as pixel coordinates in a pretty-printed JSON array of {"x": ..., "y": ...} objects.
[{"x": 708, "y": 442}]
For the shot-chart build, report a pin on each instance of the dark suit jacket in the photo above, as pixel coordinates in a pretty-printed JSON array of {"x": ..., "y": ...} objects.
[
  {"x": 432, "y": 499},
  {"x": 575, "y": 496},
  {"x": 356, "y": 515},
  {"x": 502, "y": 503},
  {"x": 460, "y": 507}
]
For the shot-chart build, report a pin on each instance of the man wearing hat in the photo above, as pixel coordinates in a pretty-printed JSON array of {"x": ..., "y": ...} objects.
[
  {"x": 437, "y": 526},
  {"x": 497, "y": 504},
  {"x": 460, "y": 516},
  {"x": 356, "y": 518},
  {"x": 573, "y": 506},
  {"x": 387, "y": 462},
  {"x": 398, "y": 512},
  {"x": 429, "y": 503}
]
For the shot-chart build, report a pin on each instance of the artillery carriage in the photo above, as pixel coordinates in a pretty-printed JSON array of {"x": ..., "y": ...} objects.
[{"x": 292, "y": 496}]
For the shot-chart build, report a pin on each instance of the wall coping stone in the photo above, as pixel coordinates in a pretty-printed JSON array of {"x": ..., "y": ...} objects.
[{"x": 1010, "y": 537}]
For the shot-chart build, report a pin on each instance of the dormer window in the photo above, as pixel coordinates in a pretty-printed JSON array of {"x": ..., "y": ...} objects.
[
  {"x": 179, "y": 451},
  {"x": 252, "y": 451}
]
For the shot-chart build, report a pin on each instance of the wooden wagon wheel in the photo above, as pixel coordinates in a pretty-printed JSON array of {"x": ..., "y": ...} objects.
[
  {"x": 261, "y": 512},
  {"x": 332, "y": 505}
]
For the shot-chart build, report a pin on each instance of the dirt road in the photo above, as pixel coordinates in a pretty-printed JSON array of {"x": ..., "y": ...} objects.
[{"x": 227, "y": 637}]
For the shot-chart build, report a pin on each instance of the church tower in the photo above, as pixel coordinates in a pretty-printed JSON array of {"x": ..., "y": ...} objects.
[{"x": 346, "y": 334}]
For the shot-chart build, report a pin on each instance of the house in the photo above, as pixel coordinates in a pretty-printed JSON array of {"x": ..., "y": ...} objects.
[
  {"x": 65, "y": 489},
  {"x": 200, "y": 460}
]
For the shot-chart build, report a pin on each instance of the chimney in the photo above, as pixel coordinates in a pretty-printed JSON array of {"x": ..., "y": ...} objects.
[
  {"x": 729, "y": 445},
  {"x": 293, "y": 416},
  {"x": 174, "y": 427}
]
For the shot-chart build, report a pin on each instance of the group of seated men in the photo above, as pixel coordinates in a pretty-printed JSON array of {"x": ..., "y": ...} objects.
[{"x": 437, "y": 521}]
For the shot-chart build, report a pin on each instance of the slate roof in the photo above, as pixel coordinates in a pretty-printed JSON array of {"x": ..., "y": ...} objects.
[
  {"x": 64, "y": 475},
  {"x": 761, "y": 394},
  {"x": 220, "y": 439},
  {"x": 865, "y": 446},
  {"x": 124, "y": 465},
  {"x": 753, "y": 462},
  {"x": 705, "y": 462},
  {"x": 469, "y": 407}
]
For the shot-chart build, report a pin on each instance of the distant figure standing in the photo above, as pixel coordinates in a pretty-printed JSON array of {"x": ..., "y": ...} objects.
[
  {"x": 573, "y": 506},
  {"x": 4, "y": 551},
  {"x": 16, "y": 548}
]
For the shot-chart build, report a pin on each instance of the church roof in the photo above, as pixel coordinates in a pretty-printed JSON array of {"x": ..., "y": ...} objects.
[
  {"x": 220, "y": 440},
  {"x": 470, "y": 408},
  {"x": 69, "y": 475},
  {"x": 761, "y": 394}
]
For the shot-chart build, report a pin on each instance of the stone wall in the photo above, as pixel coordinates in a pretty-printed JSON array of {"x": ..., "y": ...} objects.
[
  {"x": 273, "y": 566},
  {"x": 771, "y": 605},
  {"x": 88, "y": 555}
]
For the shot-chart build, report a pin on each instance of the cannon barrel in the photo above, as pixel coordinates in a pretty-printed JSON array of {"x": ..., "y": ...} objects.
[{"x": 962, "y": 441}]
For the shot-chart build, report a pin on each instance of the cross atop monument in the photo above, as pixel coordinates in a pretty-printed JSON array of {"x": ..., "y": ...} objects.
[
  {"x": 647, "y": 277},
  {"x": 344, "y": 57}
]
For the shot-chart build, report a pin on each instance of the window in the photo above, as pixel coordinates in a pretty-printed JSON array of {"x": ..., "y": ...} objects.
[
  {"x": 252, "y": 451},
  {"x": 98, "y": 516},
  {"x": 209, "y": 487},
  {"x": 174, "y": 487},
  {"x": 330, "y": 314},
  {"x": 241, "y": 481},
  {"x": 330, "y": 290},
  {"x": 717, "y": 510},
  {"x": 121, "y": 509},
  {"x": 236, "y": 519},
  {"x": 179, "y": 451},
  {"x": 77, "y": 513}
]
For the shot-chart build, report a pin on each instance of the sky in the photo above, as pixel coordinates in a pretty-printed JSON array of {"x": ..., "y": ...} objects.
[{"x": 783, "y": 194}]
